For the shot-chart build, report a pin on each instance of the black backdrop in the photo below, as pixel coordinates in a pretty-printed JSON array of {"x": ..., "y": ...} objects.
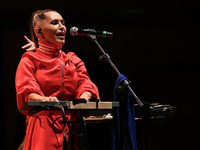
[{"x": 155, "y": 44}]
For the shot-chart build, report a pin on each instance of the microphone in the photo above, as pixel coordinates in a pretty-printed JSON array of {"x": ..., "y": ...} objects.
[{"x": 86, "y": 32}]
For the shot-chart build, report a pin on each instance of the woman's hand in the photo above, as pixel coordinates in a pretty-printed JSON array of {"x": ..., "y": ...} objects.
[
  {"x": 86, "y": 95},
  {"x": 30, "y": 46},
  {"x": 36, "y": 97}
]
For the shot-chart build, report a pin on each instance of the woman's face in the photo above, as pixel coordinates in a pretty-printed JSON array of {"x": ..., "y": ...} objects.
[{"x": 53, "y": 28}]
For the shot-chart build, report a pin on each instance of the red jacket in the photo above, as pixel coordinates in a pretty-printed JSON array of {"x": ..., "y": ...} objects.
[{"x": 50, "y": 73}]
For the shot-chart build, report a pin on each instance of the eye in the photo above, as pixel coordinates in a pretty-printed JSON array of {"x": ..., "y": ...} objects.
[
  {"x": 54, "y": 22},
  {"x": 63, "y": 22}
]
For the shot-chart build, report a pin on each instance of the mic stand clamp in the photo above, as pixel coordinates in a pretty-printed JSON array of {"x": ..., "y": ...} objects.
[{"x": 104, "y": 57}]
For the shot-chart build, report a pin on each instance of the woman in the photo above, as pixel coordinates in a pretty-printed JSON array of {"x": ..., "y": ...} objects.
[{"x": 48, "y": 74}]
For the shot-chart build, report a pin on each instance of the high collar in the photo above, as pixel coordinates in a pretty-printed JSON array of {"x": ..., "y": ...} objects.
[{"x": 49, "y": 49}]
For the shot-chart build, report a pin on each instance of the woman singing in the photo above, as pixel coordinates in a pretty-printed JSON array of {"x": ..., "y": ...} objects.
[{"x": 49, "y": 74}]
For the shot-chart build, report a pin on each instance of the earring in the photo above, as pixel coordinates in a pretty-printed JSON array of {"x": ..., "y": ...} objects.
[{"x": 39, "y": 31}]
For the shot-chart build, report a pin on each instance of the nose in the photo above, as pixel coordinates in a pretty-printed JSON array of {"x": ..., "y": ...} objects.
[{"x": 62, "y": 27}]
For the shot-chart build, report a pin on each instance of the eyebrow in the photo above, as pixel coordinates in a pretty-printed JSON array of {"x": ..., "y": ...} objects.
[{"x": 58, "y": 20}]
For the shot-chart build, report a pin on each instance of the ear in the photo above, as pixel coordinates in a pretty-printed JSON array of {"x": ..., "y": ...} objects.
[
  {"x": 37, "y": 30},
  {"x": 38, "y": 33}
]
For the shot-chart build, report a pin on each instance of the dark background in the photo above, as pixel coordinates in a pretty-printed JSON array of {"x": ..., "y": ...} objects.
[{"x": 155, "y": 44}]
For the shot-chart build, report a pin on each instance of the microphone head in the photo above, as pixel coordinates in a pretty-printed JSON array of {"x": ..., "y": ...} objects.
[
  {"x": 87, "y": 32},
  {"x": 74, "y": 31}
]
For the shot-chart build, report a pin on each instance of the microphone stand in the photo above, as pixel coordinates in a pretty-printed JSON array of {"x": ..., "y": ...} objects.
[
  {"x": 106, "y": 57},
  {"x": 123, "y": 101}
]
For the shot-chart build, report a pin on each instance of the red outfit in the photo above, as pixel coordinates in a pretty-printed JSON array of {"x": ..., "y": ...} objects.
[{"x": 50, "y": 72}]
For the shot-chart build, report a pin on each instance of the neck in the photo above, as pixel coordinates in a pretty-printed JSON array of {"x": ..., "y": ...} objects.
[{"x": 49, "y": 48}]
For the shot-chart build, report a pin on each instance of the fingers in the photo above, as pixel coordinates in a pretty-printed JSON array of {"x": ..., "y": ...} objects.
[
  {"x": 27, "y": 39},
  {"x": 51, "y": 99},
  {"x": 30, "y": 49},
  {"x": 86, "y": 95},
  {"x": 27, "y": 45},
  {"x": 30, "y": 46},
  {"x": 36, "y": 97}
]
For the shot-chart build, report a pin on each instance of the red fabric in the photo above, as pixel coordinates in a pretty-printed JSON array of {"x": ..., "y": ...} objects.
[{"x": 50, "y": 73}]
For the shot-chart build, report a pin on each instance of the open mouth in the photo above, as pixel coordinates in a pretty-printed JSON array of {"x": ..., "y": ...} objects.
[{"x": 61, "y": 35}]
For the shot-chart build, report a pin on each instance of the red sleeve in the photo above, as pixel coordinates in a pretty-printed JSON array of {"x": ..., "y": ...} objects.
[
  {"x": 84, "y": 82},
  {"x": 25, "y": 81}
]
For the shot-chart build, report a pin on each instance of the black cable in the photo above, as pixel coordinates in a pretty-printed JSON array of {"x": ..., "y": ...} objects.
[{"x": 64, "y": 122}]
